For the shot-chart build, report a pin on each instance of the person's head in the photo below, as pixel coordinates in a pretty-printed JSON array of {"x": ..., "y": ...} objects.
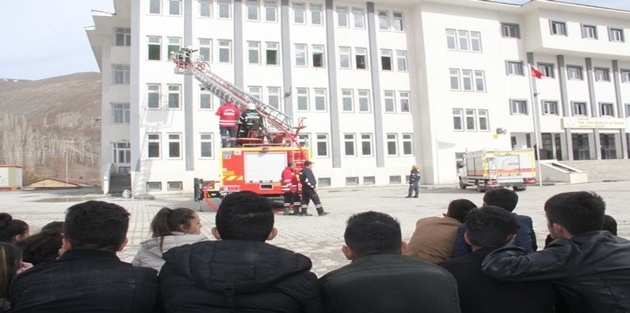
[
  {"x": 43, "y": 246},
  {"x": 95, "y": 225},
  {"x": 574, "y": 213},
  {"x": 251, "y": 106},
  {"x": 489, "y": 227},
  {"x": 458, "y": 209},
  {"x": 415, "y": 167},
  {"x": 12, "y": 230},
  {"x": 10, "y": 262},
  {"x": 182, "y": 220},
  {"x": 245, "y": 215},
  {"x": 291, "y": 165},
  {"x": 610, "y": 224},
  {"x": 501, "y": 197},
  {"x": 308, "y": 164},
  {"x": 372, "y": 233}
]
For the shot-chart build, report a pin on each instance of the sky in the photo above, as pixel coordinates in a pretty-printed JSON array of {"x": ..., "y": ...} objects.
[{"x": 45, "y": 38}]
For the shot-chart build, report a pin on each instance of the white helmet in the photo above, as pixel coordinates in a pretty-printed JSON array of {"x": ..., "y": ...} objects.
[
  {"x": 189, "y": 47},
  {"x": 251, "y": 106}
]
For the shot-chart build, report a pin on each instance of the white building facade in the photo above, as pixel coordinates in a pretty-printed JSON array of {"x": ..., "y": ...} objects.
[{"x": 382, "y": 84}]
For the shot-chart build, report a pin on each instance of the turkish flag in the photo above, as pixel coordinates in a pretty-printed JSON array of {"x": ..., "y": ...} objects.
[{"x": 536, "y": 73}]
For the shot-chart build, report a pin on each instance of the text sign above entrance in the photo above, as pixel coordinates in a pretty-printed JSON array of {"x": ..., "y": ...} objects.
[{"x": 593, "y": 123}]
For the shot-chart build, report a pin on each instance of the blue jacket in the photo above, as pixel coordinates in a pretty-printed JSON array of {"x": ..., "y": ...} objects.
[{"x": 414, "y": 177}]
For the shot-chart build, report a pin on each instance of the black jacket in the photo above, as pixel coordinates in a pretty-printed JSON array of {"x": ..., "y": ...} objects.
[
  {"x": 414, "y": 177},
  {"x": 307, "y": 178},
  {"x": 389, "y": 283},
  {"x": 237, "y": 276},
  {"x": 85, "y": 281},
  {"x": 592, "y": 270}
]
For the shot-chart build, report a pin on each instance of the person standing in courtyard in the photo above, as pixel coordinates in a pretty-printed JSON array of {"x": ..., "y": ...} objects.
[
  {"x": 309, "y": 190},
  {"x": 414, "y": 181},
  {"x": 289, "y": 189}
]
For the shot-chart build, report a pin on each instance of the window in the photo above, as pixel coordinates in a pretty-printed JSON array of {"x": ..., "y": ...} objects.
[
  {"x": 154, "y": 186},
  {"x": 546, "y": 69},
  {"x": 451, "y": 39},
  {"x": 205, "y": 99},
  {"x": 401, "y": 57},
  {"x": 153, "y": 96},
  {"x": 322, "y": 144},
  {"x": 471, "y": 123},
  {"x": 458, "y": 119},
  {"x": 174, "y": 96},
  {"x": 558, "y": 28},
  {"x": 627, "y": 109},
  {"x": 300, "y": 55},
  {"x": 304, "y": 140},
  {"x": 403, "y": 97},
  {"x": 518, "y": 107},
  {"x": 615, "y": 35},
  {"x": 510, "y": 30},
  {"x": 298, "y": 13},
  {"x": 549, "y": 107},
  {"x": 120, "y": 74},
  {"x": 347, "y": 100},
  {"x": 122, "y": 152},
  {"x": 390, "y": 101},
  {"x": 253, "y": 52},
  {"x": 360, "y": 56},
  {"x": 120, "y": 113},
  {"x": 392, "y": 144},
  {"x": 342, "y": 16},
  {"x": 174, "y": 145},
  {"x": 574, "y": 72},
  {"x": 153, "y": 150},
  {"x": 383, "y": 20},
  {"x": 467, "y": 80},
  {"x": 155, "y": 7},
  {"x": 407, "y": 143},
  {"x": 205, "y": 50},
  {"x": 345, "y": 57},
  {"x": 483, "y": 120},
  {"x": 515, "y": 68},
  {"x": 625, "y": 76},
  {"x": 271, "y": 11},
  {"x": 454, "y": 77},
  {"x": 174, "y": 45},
  {"x": 302, "y": 99},
  {"x": 589, "y": 32},
  {"x": 475, "y": 41},
  {"x": 320, "y": 99},
  {"x": 364, "y": 100},
  {"x": 122, "y": 37},
  {"x": 205, "y": 8},
  {"x": 579, "y": 108},
  {"x": 318, "y": 56},
  {"x": 386, "y": 59},
  {"x": 349, "y": 145},
  {"x": 174, "y": 7},
  {"x": 602, "y": 74},
  {"x": 255, "y": 91},
  {"x": 462, "y": 40},
  {"x": 225, "y": 8},
  {"x": 316, "y": 14},
  {"x": 366, "y": 144},
  {"x": 225, "y": 51},
  {"x": 398, "y": 22},
  {"x": 252, "y": 10},
  {"x": 480, "y": 81},
  {"x": 606, "y": 109},
  {"x": 272, "y": 53},
  {"x": 358, "y": 18},
  {"x": 174, "y": 185},
  {"x": 273, "y": 97},
  {"x": 154, "y": 48}
]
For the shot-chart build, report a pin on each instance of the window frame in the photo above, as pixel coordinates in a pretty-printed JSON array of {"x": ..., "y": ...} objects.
[
  {"x": 389, "y": 101},
  {"x": 547, "y": 69},
  {"x": 455, "y": 77},
  {"x": 177, "y": 7},
  {"x": 271, "y": 6},
  {"x": 401, "y": 56},
  {"x": 364, "y": 103},
  {"x": 224, "y": 44},
  {"x": 613, "y": 32},
  {"x": 403, "y": 98},
  {"x": 302, "y": 93},
  {"x": 299, "y": 10},
  {"x": 253, "y": 47},
  {"x": 519, "y": 107},
  {"x": 121, "y": 113},
  {"x": 558, "y": 28},
  {"x": 155, "y": 4},
  {"x": 206, "y": 5},
  {"x": 470, "y": 119},
  {"x": 407, "y": 142},
  {"x": 274, "y": 93},
  {"x": 154, "y": 140},
  {"x": 458, "y": 118},
  {"x": 577, "y": 106},
  {"x": 317, "y": 94},
  {"x": 549, "y": 107},
  {"x": 314, "y": 52},
  {"x": 158, "y": 92},
  {"x": 514, "y": 68},
  {"x": 121, "y": 74},
  {"x": 224, "y": 5},
  {"x": 601, "y": 74},
  {"x": 152, "y": 45},
  {"x": 605, "y": 108},
  {"x": 383, "y": 20},
  {"x": 342, "y": 12},
  {"x": 483, "y": 115},
  {"x": 174, "y": 141},
  {"x": 358, "y": 53},
  {"x": 589, "y": 31},
  {"x": 398, "y": 21},
  {"x": 358, "y": 20},
  {"x": 174, "y": 89},
  {"x": 367, "y": 142},
  {"x": 511, "y": 30},
  {"x": 349, "y": 145},
  {"x": 316, "y": 10},
  {"x": 387, "y": 54},
  {"x": 205, "y": 49},
  {"x": 391, "y": 143},
  {"x": 347, "y": 100},
  {"x": 625, "y": 76},
  {"x": 252, "y": 8},
  {"x": 575, "y": 69},
  {"x": 122, "y": 37},
  {"x": 270, "y": 57},
  {"x": 301, "y": 49},
  {"x": 347, "y": 53},
  {"x": 322, "y": 139}
]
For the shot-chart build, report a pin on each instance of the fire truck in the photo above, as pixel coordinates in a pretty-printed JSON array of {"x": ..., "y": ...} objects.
[{"x": 262, "y": 151}]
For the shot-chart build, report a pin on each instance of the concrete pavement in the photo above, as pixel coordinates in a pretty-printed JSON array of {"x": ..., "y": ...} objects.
[{"x": 319, "y": 238}]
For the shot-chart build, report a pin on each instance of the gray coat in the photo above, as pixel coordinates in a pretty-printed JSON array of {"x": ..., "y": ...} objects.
[{"x": 150, "y": 254}]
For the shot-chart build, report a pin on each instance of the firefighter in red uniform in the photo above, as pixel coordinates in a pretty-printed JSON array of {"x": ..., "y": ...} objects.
[
  {"x": 228, "y": 115},
  {"x": 289, "y": 188}
]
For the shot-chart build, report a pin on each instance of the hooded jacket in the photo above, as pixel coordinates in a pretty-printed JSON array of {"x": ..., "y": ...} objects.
[
  {"x": 237, "y": 276},
  {"x": 150, "y": 252}
]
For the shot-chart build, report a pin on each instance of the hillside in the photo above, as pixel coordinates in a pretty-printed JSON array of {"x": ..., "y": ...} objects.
[{"x": 44, "y": 121}]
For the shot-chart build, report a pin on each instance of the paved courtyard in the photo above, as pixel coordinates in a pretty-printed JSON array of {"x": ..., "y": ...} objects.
[{"x": 319, "y": 238}]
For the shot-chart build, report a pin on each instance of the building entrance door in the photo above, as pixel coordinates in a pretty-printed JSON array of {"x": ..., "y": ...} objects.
[
  {"x": 581, "y": 149},
  {"x": 608, "y": 146}
]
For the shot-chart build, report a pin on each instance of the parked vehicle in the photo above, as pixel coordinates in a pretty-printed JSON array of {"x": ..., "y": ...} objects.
[{"x": 494, "y": 169}]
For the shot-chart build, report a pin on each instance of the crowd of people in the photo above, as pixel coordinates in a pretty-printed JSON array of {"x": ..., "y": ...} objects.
[{"x": 473, "y": 259}]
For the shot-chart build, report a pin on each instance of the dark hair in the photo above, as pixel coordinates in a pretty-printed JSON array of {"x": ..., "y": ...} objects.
[
  {"x": 372, "y": 233},
  {"x": 289, "y": 164},
  {"x": 245, "y": 215},
  {"x": 9, "y": 228},
  {"x": 307, "y": 163},
  {"x": 44, "y": 246},
  {"x": 610, "y": 224},
  {"x": 10, "y": 261},
  {"x": 501, "y": 197},
  {"x": 458, "y": 209},
  {"x": 96, "y": 225},
  {"x": 578, "y": 212},
  {"x": 167, "y": 221},
  {"x": 490, "y": 226}
]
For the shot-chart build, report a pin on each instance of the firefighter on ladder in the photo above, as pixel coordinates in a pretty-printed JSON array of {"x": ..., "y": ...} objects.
[
  {"x": 290, "y": 190},
  {"x": 228, "y": 115}
]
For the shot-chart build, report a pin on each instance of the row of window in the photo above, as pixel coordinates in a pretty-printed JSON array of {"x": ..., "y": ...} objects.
[
  {"x": 578, "y": 108},
  {"x": 470, "y": 120},
  {"x": 559, "y": 28},
  {"x": 463, "y": 40},
  {"x": 467, "y": 80},
  {"x": 574, "y": 72}
]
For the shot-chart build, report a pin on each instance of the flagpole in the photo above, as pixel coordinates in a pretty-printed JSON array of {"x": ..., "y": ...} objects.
[{"x": 536, "y": 117}]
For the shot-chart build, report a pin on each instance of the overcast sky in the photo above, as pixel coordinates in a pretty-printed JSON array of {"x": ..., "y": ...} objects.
[{"x": 45, "y": 38}]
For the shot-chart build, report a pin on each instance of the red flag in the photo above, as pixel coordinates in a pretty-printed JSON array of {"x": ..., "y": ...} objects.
[{"x": 536, "y": 73}]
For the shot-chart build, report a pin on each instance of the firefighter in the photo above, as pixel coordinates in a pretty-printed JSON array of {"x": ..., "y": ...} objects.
[
  {"x": 289, "y": 188},
  {"x": 309, "y": 190},
  {"x": 249, "y": 120},
  {"x": 414, "y": 180},
  {"x": 228, "y": 115}
]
